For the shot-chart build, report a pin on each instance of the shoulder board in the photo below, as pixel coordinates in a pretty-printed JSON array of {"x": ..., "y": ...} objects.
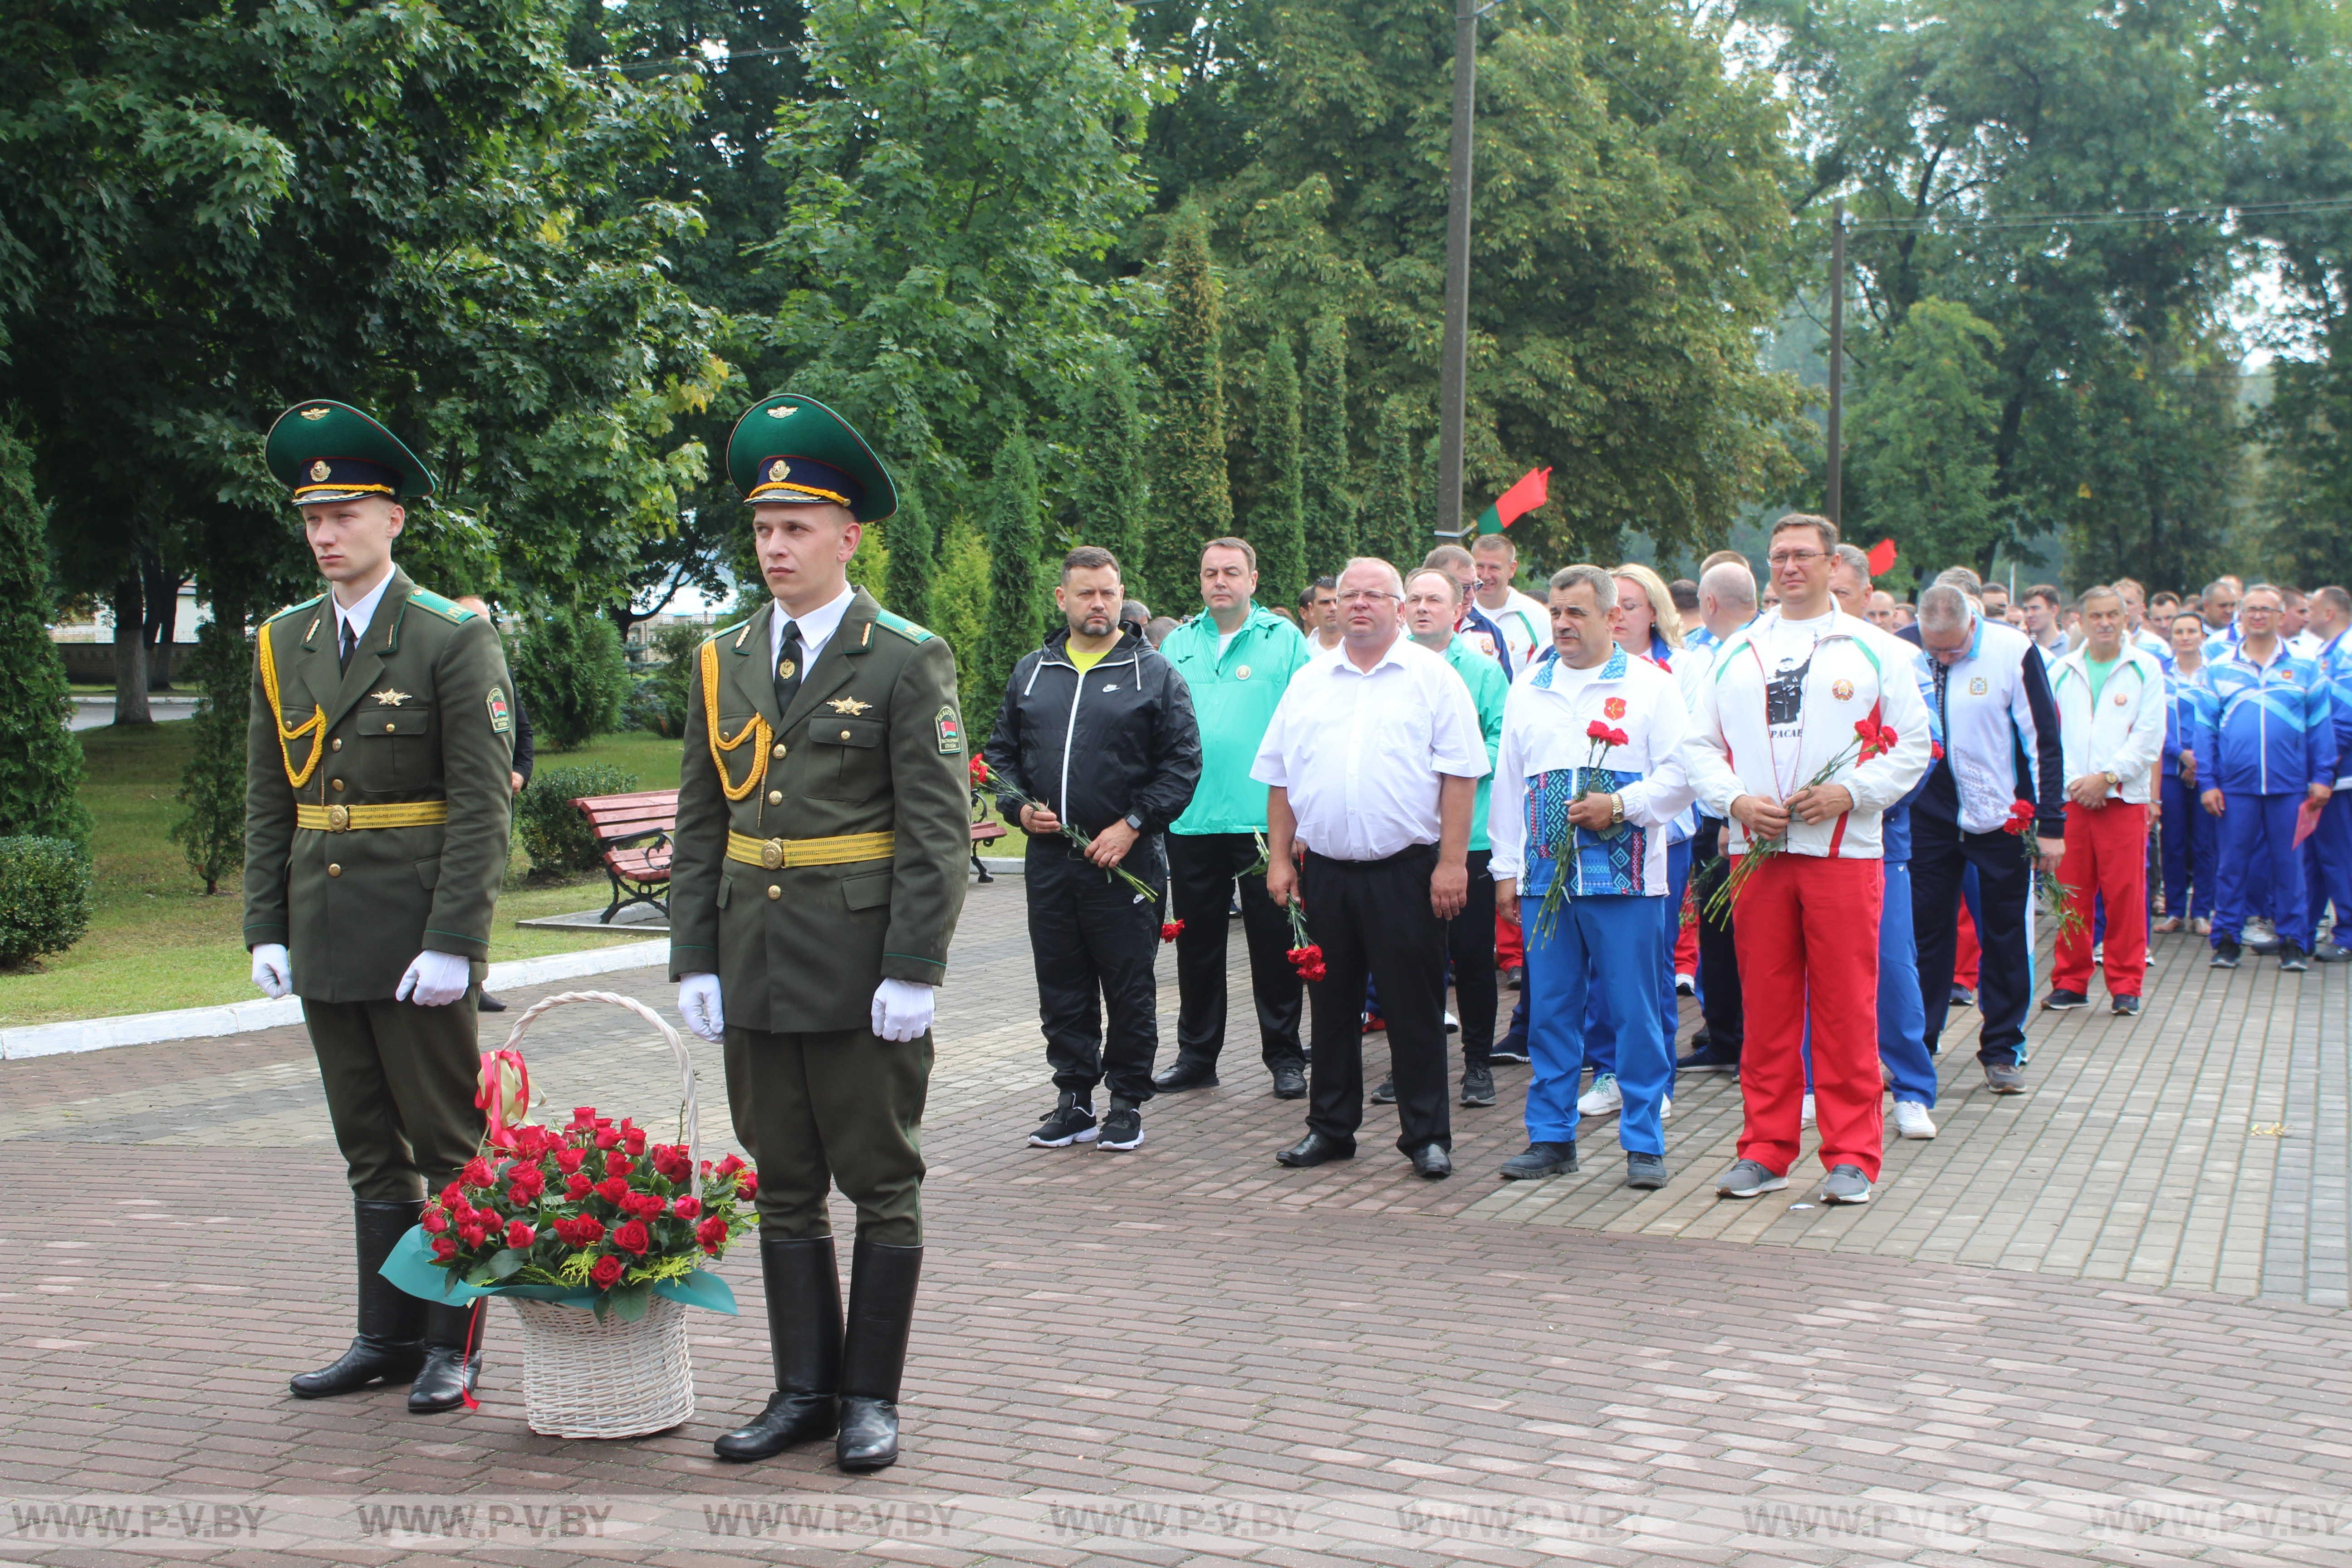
[
  {"x": 426, "y": 599},
  {"x": 902, "y": 626},
  {"x": 744, "y": 625},
  {"x": 295, "y": 609}
]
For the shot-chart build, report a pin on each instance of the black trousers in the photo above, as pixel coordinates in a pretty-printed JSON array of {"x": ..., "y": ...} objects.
[
  {"x": 1470, "y": 944},
  {"x": 1095, "y": 946},
  {"x": 1201, "y": 867},
  {"x": 1372, "y": 920},
  {"x": 1940, "y": 854},
  {"x": 1719, "y": 959}
]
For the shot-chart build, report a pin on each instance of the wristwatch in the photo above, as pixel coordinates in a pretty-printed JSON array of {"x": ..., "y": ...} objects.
[
  {"x": 2114, "y": 780},
  {"x": 1135, "y": 822},
  {"x": 1616, "y": 811}
]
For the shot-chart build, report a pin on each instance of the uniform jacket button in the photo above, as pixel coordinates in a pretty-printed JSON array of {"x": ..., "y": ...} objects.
[
  {"x": 775, "y": 797},
  {"x": 336, "y": 744},
  {"x": 336, "y": 783},
  {"x": 774, "y": 891},
  {"x": 779, "y": 749},
  {"x": 334, "y": 870}
]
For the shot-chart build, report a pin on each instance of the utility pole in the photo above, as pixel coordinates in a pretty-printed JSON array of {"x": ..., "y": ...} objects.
[
  {"x": 1453, "y": 369},
  {"x": 1837, "y": 361}
]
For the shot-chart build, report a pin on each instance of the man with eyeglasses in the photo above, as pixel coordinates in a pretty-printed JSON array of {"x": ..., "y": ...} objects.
[
  {"x": 1775, "y": 749},
  {"x": 1371, "y": 764},
  {"x": 2264, "y": 744}
]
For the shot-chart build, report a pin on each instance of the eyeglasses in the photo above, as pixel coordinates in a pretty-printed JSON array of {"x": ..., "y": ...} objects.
[
  {"x": 1365, "y": 597},
  {"x": 1794, "y": 557}
]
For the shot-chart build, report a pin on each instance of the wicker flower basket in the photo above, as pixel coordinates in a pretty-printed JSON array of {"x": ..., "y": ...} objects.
[{"x": 586, "y": 1378}]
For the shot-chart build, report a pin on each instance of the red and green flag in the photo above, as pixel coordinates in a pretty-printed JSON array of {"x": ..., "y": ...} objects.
[
  {"x": 1532, "y": 491},
  {"x": 1882, "y": 558}
]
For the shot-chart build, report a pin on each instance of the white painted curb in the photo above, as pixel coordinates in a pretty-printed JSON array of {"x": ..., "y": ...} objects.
[{"x": 239, "y": 1017}]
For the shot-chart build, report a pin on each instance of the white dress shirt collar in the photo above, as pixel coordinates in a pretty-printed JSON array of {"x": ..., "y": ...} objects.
[
  {"x": 816, "y": 628},
  {"x": 359, "y": 616}
]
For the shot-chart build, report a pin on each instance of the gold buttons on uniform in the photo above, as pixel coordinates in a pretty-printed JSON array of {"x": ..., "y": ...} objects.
[
  {"x": 775, "y": 797},
  {"x": 388, "y": 726},
  {"x": 774, "y": 891},
  {"x": 334, "y": 870},
  {"x": 844, "y": 734},
  {"x": 336, "y": 744},
  {"x": 779, "y": 749},
  {"x": 336, "y": 783}
]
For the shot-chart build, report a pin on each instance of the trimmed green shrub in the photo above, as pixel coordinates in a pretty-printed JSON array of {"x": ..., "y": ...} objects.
[
  {"x": 553, "y": 833},
  {"x": 45, "y": 887},
  {"x": 574, "y": 676},
  {"x": 658, "y": 703},
  {"x": 211, "y": 832},
  {"x": 40, "y": 759}
]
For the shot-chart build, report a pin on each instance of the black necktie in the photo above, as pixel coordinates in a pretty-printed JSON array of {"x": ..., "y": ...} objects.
[
  {"x": 351, "y": 641},
  {"x": 788, "y": 669}
]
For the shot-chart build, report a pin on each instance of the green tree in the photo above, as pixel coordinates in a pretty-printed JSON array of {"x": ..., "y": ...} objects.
[
  {"x": 1926, "y": 418},
  {"x": 961, "y": 603},
  {"x": 1109, "y": 500},
  {"x": 1391, "y": 513},
  {"x": 912, "y": 550},
  {"x": 1279, "y": 531},
  {"x": 572, "y": 675},
  {"x": 1192, "y": 494},
  {"x": 40, "y": 758},
  {"x": 1330, "y": 505},
  {"x": 210, "y": 830},
  {"x": 1015, "y": 599}
]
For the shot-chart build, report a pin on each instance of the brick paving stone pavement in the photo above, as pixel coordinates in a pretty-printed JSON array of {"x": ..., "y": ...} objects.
[{"x": 2090, "y": 1323}]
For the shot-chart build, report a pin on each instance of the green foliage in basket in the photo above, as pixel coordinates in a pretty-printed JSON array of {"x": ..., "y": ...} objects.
[{"x": 592, "y": 1208}]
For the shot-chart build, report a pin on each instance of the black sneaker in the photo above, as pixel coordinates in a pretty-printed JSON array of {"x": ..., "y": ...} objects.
[
  {"x": 1645, "y": 1173},
  {"x": 1540, "y": 1160},
  {"x": 2328, "y": 953},
  {"x": 1477, "y": 1086},
  {"x": 2124, "y": 1007},
  {"x": 1386, "y": 1093},
  {"x": 1707, "y": 1058},
  {"x": 1504, "y": 1051},
  {"x": 1123, "y": 1128},
  {"x": 2225, "y": 953},
  {"x": 2064, "y": 1001},
  {"x": 1072, "y": 1120},
  {"x": 2291, "y": 958}
]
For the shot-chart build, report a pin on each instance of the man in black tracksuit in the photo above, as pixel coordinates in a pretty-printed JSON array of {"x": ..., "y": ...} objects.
[{"x": 1096, "y": 731}]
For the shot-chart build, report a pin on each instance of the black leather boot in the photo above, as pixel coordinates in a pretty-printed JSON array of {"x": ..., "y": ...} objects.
[
  {"x": 804, "y": 1286},
  {"x": 453, "y": 1357},
  {"x": 390, "y": 1321},
  {"x": 874, "y": 1352}
]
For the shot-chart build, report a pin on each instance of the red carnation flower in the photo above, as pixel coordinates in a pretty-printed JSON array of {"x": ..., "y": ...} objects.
[
  {"x": 978, "y": 773},
  {"x": 1170, "y": 930},
  {"x": 1596, "y": 730},
  {"x": 520, "y": 1235},
  {"x": 712, "y": 1234},
  {"x": 1618, "y": 738},
  {"x": 1886, "y": 739},
  {"x": 632, "y": 1238},
  {"x": 2020, "y": 816},
  {"x": 1867, "y": 730},
  {"x": 435, "y": 1222},
  {"x": 612, "y": 1189},
  {"x": 607, "y": 1272},
  {"x": 687, "y": 1207}
]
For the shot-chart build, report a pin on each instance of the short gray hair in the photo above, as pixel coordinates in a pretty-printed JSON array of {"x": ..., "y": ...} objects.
[
  {"x": 1856, "y": 561},
  {"x": 2098, "y": 591},
  {"x": 1452, "y": 583},
  {"x": 1396, "y": 578},
  {"x": 1603, "y": 585},
  {"x": 1959, "y": 577},
  {"x": 1730, "y": 582},
  {"x": 1944, "y": 606}
]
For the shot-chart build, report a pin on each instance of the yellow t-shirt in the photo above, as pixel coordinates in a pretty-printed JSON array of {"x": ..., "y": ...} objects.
[{"x": 1086, "y": 661}]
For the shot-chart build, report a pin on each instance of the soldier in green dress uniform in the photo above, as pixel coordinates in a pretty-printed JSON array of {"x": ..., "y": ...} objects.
[
  {"x": 375, "y": 839},
  {"x": 817, "y": 872}
]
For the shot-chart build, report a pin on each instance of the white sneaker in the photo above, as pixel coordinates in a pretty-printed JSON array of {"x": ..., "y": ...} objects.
[
  {"x": 1603, "y": 1099},
  {"x": 1806, "y": 1119},
  {"x": 1912, "y": 1120},
  {"x": 1686, "y": 985}
]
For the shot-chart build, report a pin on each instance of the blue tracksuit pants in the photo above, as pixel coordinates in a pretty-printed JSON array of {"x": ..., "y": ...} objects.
[
  {"x": 1592, "y": 979},
  {"x": 2257, "y": 855},
  {"x": 2188, "y": 833},
  {"x": 2327, "y": 865}
]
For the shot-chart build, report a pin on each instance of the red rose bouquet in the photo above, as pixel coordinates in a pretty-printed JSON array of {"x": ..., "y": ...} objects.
[
  {"x": 593, "y": 1214},
  {"x": 1871, "y": 739}
]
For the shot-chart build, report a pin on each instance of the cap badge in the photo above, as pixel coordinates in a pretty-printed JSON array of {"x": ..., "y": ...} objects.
[
  {"x": 318, "y": 471},
  {"x": 784, "y": 411},
  {"x": 314, "y": 413},
  {"x": 779, "y": 471}
]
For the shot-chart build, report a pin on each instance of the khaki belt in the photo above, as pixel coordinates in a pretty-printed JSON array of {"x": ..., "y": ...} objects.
[
  {"x": 844, "y": 849},
  {"x": 346, "y": 818}
]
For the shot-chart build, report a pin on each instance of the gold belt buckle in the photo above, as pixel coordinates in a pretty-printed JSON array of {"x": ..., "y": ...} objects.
[
  {"x": 338, "y": 818},
  {"x": 772, "y": 854}
]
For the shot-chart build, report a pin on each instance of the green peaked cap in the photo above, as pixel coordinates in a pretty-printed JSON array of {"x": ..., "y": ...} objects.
[
  {"x": 791, "y": 450},
  {"x": 322, "y": 450}
]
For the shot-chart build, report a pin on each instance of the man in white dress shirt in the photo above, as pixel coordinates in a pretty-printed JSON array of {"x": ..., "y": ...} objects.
[{"x": 1371, "y": 764}]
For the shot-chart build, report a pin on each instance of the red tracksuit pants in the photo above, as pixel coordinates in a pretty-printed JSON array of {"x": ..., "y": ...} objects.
[
  {"x": 1806, "y": 930},
  {"x": 2106, "y": 856}
]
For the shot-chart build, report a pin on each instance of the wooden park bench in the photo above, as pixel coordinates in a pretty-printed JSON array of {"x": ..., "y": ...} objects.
[{"x": 633, "y": 839}]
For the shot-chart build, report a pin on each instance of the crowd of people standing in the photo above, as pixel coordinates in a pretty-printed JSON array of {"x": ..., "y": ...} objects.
[{"x": 1834, "y": 817}]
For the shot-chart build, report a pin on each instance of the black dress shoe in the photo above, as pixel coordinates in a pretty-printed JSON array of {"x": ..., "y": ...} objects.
[
  {"x": 788, "y": 1418},
  {"x": 1707, "y": 1058},
  {"x": 390, "y": 1346},
  {"x": 1432, "y": 1160},
  {"x": 1289, "y": 1081},
  {"x": 803, "y": 1291},
  {"x": 1186, "y": 1075},
  {"x": 486, "y": 1002},
  {"x": 1314, "y": 1150},
  {"x": 453, "y": 1357}
]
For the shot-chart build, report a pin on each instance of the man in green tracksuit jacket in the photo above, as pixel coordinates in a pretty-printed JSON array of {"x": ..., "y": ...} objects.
[{"x": 1236, "y": 659}]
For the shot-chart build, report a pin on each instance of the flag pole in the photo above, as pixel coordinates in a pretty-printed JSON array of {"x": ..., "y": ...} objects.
[{"x": 1453, "y": 354}]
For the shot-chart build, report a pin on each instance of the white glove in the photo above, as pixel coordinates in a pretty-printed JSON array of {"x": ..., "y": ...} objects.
[
  {"x": 271, "y": 974},
  {"x": 434, "y": 979},
  {"x": 698, "y": 1004},
  {"x": 902, "y": 1009}
]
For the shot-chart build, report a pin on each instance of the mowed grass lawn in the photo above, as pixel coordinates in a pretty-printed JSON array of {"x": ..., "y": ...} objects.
[{"x": 156, "y": 941}]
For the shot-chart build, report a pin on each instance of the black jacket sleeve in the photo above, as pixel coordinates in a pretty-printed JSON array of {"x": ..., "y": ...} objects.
[
  {"x": 1176, "y": 743},
  {"x": 2045, "y": 783}
]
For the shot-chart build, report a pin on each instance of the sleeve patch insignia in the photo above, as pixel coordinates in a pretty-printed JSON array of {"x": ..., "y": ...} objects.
[
  {"x": 951, "y": 730},
  {"x": 501, "y": 716}
]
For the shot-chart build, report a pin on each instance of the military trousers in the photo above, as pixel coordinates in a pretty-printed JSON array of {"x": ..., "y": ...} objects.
[
  {"x": 831, "y": 1106},
  {"x": 400, "y": 1081}
]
